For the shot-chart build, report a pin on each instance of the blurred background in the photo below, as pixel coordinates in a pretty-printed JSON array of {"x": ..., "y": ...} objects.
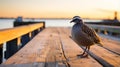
[{"x": 58, "y": 11}]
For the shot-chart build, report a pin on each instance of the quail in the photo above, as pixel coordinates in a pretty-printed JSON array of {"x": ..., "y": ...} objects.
[{"x": 84, "y": 35}]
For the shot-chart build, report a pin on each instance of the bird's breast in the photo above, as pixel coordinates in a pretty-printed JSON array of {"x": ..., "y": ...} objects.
[
  {"x": 79, "y": 36},
  {"x": 76, "y": 31}
]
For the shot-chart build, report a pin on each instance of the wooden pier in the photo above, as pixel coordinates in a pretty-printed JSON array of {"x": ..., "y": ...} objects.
[
  {"x": 17, "y": 37},
  {"x": 53, "y": 47}
]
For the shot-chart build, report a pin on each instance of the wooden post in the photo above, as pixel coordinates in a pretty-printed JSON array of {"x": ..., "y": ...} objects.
[
  {"x": 32, "y": 34},
  {"x": 98, "y": 30},
  {"x": 19, "y": 42},
  {"x": 105, "y": 32},
  {"x": 11, "y": 48},
  {"x": 35, "y": 32},
  {"x": 1, "y": 55},
  {"x": 43, "y": 24},
  {"x": 38, "y": 29},
  {"x": 25, "y": 39}
]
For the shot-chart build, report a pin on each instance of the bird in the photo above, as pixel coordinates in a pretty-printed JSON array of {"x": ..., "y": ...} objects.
[{"x": 84, "y": 35}]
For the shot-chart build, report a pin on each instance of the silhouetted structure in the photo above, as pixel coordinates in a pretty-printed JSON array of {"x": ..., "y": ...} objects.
[
  {"x": 114, "y": 20},
  {"x": 19, "y": 19}
]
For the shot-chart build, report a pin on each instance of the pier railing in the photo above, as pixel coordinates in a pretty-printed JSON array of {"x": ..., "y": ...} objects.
[
  {"x": 105, "y": 23},
  {"x": 15, "y": 38},
  {"x": 105, "y": 29}
]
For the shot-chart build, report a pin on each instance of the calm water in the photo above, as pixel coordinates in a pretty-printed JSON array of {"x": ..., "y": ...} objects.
[{"x": 8, "y": 23}]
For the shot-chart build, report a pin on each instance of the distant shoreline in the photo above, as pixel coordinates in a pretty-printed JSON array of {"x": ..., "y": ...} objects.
[
  {"x": 35, "y": 18},
  {"x": 54, "y": 18}
]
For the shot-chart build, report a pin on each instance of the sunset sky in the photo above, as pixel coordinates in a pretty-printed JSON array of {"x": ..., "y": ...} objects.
[{"x": 59, "y": 8}]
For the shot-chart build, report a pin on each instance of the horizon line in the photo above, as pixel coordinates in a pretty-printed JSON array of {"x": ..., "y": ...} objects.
[{"x": 51, "y": 18}]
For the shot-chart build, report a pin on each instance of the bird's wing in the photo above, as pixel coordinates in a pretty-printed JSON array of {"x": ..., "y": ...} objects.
[{"x": 91, "y": 33}]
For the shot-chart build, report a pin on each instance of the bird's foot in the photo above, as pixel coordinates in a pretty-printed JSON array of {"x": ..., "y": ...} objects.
[
  {"x": 82, "y": 55},
  {"x": 70, "y": 36},
  {"x": 79, "y": 55}
]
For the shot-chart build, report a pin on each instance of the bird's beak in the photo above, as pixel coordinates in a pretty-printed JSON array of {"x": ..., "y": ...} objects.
[{"x": 71, "y": 21}]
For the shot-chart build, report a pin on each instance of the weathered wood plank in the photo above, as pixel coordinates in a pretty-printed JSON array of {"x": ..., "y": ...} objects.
[
  {"x": 35, "y": 51},
  {"x": 111, "y": 45},
  {"x": 45, "y": 48},
  {"x": 24, "y": 65},
  {"x": 105, "y": 54},
  {"x": 108, "y": 56},
  {"x": 54, "y": 56},
  {"x": 53, "y": 47},
  {"x": 71, "y": 50}
]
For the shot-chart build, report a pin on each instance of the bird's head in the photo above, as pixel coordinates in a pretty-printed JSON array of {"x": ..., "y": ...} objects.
[{"x": 77, "y": 19}]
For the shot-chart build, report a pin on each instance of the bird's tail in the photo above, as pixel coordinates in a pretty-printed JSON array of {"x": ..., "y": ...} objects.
[{"x": 100, "y": 44}]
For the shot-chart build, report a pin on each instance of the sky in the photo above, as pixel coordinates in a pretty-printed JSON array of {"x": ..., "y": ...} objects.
[{"x": 60, "y": 8}]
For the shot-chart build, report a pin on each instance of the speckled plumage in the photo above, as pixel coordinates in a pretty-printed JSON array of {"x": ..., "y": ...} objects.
[{"x": 84, "y": 35}]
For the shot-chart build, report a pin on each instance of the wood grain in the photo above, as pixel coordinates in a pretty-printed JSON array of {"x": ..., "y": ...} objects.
[{"x": 54, "y": 48}]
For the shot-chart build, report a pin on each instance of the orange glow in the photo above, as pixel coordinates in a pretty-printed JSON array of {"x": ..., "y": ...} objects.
[{"x": 59, "y": 8}]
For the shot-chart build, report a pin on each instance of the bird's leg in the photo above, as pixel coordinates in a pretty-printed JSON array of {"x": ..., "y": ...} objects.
[
  {"x": 70, "y": 37},
  {"x": 88, "y": 48},
  {"x": 85, "y": 54},
  {"x": 84, "y": 50},
  {"x": 81, "y": 55}
]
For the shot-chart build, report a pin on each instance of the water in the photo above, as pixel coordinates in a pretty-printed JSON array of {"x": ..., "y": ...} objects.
[{"x": 8, "y": 23}]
